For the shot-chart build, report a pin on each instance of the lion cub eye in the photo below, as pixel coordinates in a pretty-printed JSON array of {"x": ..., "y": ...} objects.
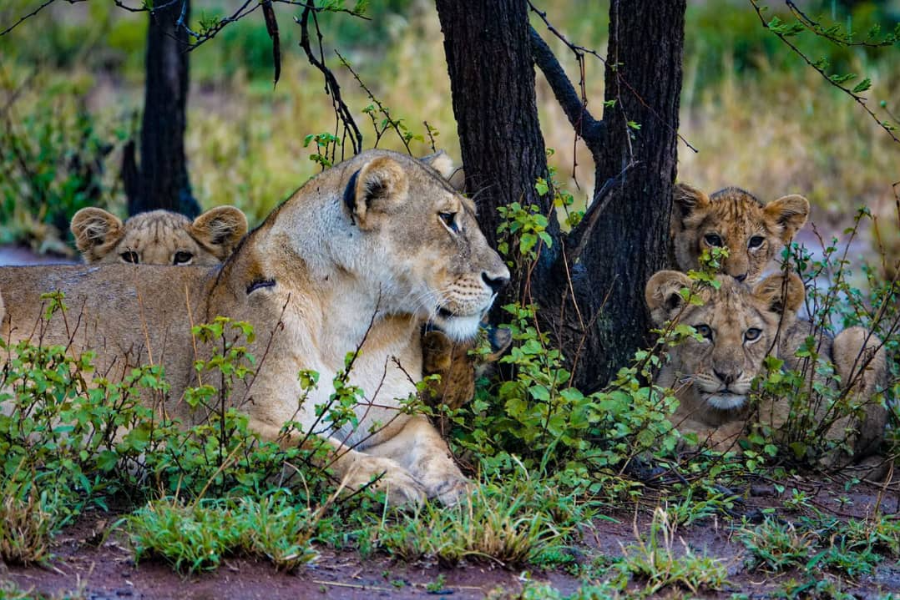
[
  {"x": 704, "y": 330},
  {"x": 752, "y": 334},
  {"x": 713, "y": 240},
  {"x": 449, "y": 220},
  {"x": 182, "y": 258},
  {"x": 130, "y": 257},
  {"x": 756, "y": 241}
]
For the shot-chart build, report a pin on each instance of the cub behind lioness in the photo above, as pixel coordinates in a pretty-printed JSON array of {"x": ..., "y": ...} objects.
[
  {"x": 158, "y": 237},
  {"x": 361, "y": 255}
]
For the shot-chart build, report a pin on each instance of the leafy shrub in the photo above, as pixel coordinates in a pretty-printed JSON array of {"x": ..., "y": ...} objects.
[{"x": 197, "y": 537}]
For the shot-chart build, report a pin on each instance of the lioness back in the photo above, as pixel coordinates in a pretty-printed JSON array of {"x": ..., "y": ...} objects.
[
  {"x": 158, "y": 237},
  {"x": 753, "y": 232},
  {"x": 359, "y": 258}
]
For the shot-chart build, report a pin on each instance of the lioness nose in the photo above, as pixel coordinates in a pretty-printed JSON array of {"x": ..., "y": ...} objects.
[
  {"x": 728, "y": 378},
  {"x": 495, "y": 282}
]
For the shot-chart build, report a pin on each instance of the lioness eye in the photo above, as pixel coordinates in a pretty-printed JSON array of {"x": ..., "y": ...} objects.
[
  {"x": 704, "y": 330},
  {"x": 752, "y": 334},
  {"x": 130, "y": 257},
  {"x": 713, "y": 240},
  {"x": 756, "y": 241},
  {"x": 182, "y": 257},
  {"x": 448, "y": 219}
]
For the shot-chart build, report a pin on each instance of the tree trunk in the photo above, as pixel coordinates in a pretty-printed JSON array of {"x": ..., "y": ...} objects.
[
  {"x": 162, "y": 181},
  {"x": 487, "y": 43},
  {"x": 607, "y": 260},
  {"x": 630, "y": 241}
]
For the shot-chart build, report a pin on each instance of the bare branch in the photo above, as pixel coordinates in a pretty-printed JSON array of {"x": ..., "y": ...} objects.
[
  {"x": 579, "y": 236},
  {"x": 31, "y": 14},
  {"x": 575, "y": 106},
  {"x": 332, "y": 87}
]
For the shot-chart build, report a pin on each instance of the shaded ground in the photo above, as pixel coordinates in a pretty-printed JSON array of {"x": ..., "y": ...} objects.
[{"x": 108, "y": 571}]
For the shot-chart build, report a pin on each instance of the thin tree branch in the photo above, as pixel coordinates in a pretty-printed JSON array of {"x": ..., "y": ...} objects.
[
  {"x": 31, "y": 14},
  {"x": 818, "y": 68},
  {"x": 573, "y": 104},
  {"x": 332, "y": 87},
  {"x": 579, "y": 236}
]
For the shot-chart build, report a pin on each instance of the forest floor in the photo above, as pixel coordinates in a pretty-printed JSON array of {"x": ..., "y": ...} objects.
[{"x": 90, "y": 564}]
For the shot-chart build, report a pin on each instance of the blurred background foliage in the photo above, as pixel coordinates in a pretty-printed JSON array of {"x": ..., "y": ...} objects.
[{"x": 71, "y": 91}]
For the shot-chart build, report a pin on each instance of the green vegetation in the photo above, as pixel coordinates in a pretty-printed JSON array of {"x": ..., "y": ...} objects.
[{"x": 547, "y": 460}]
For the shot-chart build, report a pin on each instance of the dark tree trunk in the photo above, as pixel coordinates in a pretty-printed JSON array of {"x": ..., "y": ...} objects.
[
  {"x": 605, "y": 262},
  {"x": 630, "y": 241},
  {"x": 492, "y": 78},
  {"x": 162, "y": 181}
]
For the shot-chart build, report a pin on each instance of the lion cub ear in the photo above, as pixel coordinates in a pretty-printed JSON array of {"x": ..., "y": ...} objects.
[
  {"x": 96, "y": 232},
  {"x": 375, "y": 189},
  {"x": 781, "y": 294},
  {"x": 220, "y": 229},
  {"x": 788, "y": 215},
  {"x": 663, "y": 294},
  {"x": 687, "y": 200},
  {"x": 441, "y": 162}
]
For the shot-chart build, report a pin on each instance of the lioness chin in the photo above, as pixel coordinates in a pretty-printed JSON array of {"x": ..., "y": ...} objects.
[{"x": 359, "y": 257}]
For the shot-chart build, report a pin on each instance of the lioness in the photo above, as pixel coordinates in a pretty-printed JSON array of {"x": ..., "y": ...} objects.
[
  {"x": 738, "y": 325},
  {"x": 360, "y": 256},
  {"x": 158, "y": 237}
]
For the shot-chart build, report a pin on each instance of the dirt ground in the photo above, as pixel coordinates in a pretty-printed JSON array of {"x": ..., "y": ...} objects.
[{"x": 108, "y": 571}]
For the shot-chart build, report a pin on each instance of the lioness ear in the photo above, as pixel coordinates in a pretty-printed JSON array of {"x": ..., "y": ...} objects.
[
  {"x": 687, "y": 199},
  {"x": 441, "y": 162},
  {"x": 780, "y": 293},
  {"x": 663, "y": 294},
  {"x": 96, "y": 232},
  {"x": 788, "y": 214},
  {"x": 220, "y": 229},
  {"x": 376, "y": 188}
]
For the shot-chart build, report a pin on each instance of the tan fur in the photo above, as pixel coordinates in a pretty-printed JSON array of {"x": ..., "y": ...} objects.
[
  {"x": 739, "y": 220},
  {"x": 158, "y": 237},
  {"x": 712, "y": 378},
  {"x": 459, "y": 364},
  {"x": 309, "y": 279}
]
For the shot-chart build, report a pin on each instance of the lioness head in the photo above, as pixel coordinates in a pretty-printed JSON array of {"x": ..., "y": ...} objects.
[
  {"x": 158, "y": 237},
  {"x": 736, "y": 324},
  {"x": 422, "y": 243},
  {"x": 731, "y": 218}
]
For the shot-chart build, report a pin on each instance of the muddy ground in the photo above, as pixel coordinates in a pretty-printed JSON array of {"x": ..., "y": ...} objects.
[{"x": 107, "y": 570}]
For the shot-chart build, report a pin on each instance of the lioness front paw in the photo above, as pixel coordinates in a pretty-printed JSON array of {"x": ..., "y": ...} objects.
[
  {"x": 451, "y": 491},
  {"x": 399, "y": 486}
]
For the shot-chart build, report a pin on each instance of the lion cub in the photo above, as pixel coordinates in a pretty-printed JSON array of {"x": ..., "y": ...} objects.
[
  {"x": 738, "y": 328},
  {"x": 158, "y": 237}
]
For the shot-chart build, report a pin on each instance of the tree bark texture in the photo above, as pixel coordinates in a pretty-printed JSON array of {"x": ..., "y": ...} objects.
[
  {"x": 161, "y": 181},
  {"x": 492, "y": 80},
  {"x": 590, "y": 285}
]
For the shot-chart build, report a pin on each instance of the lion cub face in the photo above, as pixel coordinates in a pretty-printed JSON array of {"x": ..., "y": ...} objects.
[
  {"x": 424, "y": 243},
  {"x": 159, "y": 237},
  {"x": 731, "y": 218},
  {"x": 736, "y": 324}
]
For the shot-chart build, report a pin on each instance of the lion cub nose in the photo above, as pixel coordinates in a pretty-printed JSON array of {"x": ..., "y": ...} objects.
[
  {"x": 495, "y": 282},
  {"x": 728, "y": 378}
]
